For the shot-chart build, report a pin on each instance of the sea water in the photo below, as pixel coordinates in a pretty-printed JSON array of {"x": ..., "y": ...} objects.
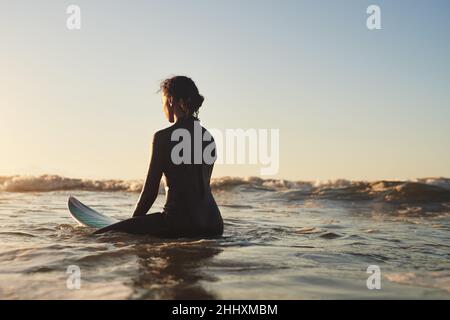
[{"x": 282, "y": 240}]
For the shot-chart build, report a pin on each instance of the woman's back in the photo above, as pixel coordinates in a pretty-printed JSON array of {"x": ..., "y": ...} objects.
[{"x": 187, "y": 164}]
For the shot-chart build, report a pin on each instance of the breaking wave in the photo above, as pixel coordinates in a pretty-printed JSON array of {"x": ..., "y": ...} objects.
[
  {"x": 417, "y": 190},
  {"x": 48, "y": 183}
]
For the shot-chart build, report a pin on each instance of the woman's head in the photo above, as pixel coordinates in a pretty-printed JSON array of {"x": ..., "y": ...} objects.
[{"x": 180, "y": 97}]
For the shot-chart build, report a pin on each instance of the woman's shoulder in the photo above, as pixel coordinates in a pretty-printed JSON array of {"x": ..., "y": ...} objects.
[
  {"x": 161, "y": 135},
  {"x": 164, "y": 135}
]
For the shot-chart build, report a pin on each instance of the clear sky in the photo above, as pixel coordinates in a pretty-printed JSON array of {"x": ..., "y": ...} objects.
[{"x": 349, "y": 102}]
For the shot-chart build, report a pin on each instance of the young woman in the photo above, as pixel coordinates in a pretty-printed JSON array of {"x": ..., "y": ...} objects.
[{"x": 190, "y": 209}]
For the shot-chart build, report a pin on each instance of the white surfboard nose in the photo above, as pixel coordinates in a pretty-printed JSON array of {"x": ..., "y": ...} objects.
[{"x": 87, "y": 216}]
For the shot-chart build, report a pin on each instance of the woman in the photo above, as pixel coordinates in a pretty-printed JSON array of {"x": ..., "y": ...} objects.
[{"x": 190, "y": 209}]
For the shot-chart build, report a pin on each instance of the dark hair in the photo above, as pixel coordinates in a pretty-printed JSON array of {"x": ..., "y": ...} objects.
[{"x": 181, "y": 87}]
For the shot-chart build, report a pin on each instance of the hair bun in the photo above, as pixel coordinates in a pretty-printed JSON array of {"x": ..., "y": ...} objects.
[{"x": 199, "y": 100}]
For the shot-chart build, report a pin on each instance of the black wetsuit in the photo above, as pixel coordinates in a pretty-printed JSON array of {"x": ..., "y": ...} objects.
[{"x": 190, "y": 209}]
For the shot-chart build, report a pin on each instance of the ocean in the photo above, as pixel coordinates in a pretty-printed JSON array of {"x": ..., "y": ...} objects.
[{"x": 283, "y": 240}]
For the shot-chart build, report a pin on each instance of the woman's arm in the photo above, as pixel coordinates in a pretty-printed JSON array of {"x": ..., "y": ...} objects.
[{"x": 151, "y": 185}]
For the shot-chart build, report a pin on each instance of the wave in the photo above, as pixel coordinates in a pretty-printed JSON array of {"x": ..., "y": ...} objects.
[
  {"x": 48, "y": 183},
  {"x": 417, "y": 190}
]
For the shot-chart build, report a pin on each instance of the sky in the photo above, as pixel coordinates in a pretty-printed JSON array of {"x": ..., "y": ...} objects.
[{"x": 349, "y": 102}]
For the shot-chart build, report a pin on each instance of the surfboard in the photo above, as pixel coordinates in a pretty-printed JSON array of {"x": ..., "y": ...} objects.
[{"x": 88, "y": 217}]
